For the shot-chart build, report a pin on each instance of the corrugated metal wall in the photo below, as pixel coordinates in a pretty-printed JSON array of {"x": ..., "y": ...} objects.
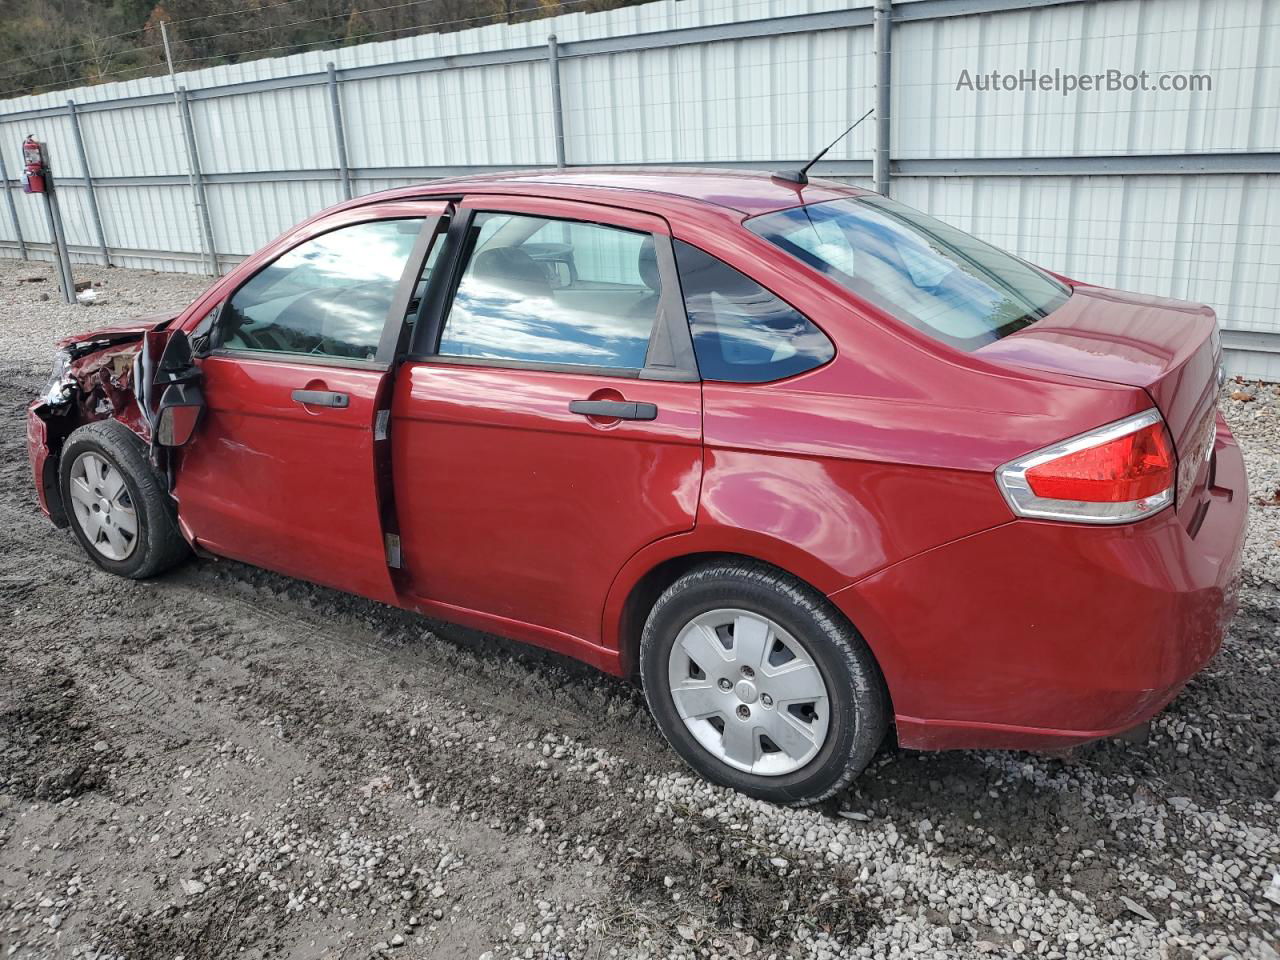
[
  {"x": 1173, "y": 193},
  {"x": 1233, "y": 40}
]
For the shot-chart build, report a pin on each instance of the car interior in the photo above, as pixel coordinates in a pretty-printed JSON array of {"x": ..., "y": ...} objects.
[
  {"x": 618, "y": 275},
  {"x": 328, "y": 296},
  {"x": 554, "y": 291}
]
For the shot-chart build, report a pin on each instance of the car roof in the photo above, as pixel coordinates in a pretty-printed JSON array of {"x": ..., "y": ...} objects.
[{"x": 656, "y": 189}]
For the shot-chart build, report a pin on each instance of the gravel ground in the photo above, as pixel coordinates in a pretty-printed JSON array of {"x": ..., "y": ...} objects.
[{"x": 224, "y": 761}]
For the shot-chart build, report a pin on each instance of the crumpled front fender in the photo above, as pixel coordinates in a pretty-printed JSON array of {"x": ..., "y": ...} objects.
[
  {"x": 44, "y": 466},
  {"x": 94, "y": 380}
]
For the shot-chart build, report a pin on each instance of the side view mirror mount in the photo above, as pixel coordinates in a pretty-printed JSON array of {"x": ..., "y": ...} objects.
[
  {"x": 203, "y": 335},
  {"x": 176, "y": 362}
]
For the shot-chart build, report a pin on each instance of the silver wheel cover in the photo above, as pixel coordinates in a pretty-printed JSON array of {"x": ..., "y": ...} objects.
[
  {"x": 104, "y": 511},
  {"x": 749, "y": 692}
]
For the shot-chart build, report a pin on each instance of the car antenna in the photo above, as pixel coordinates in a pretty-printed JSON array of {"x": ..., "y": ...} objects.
[{"x": 801, "y": 176}]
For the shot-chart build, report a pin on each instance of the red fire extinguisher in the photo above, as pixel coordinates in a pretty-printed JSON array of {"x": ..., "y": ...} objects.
[{"x": 35, "y": 166}]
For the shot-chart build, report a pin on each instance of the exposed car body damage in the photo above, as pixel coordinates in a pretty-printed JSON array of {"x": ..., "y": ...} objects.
[{"x": 95, "y": 376}]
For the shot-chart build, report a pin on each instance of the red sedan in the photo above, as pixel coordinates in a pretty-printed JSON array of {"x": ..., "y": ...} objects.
[{"x": 807, "y": 461}]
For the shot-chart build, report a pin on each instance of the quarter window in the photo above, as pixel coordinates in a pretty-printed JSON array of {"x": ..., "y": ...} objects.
[
  {"x": 545, "y": 291},
  {"x": 328, "y": 296},
  {"x": 742, "y": 333}
]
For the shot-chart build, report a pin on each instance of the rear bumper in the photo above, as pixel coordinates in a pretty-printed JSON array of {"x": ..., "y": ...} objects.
[{"x": 1040, "y": 635}]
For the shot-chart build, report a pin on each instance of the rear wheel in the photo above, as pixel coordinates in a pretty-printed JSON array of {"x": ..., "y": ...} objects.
[
  {"x": 759, "y": 685},
  {"x": 118, "y": 509}
]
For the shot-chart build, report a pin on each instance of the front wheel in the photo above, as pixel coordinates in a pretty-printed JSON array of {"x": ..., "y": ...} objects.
[
  {"x": 759, "y": 685},
  {"x": 118, "y": 509}
]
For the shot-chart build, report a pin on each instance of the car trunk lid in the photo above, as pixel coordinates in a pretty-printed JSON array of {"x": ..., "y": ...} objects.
[{"x": 1168, "y": 348}]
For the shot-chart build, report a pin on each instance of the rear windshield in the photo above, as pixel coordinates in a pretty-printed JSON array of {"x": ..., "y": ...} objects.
[{"x": 936, "y": 278}]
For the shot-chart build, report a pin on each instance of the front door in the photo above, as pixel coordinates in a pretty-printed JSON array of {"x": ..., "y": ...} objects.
[
  {"x": 549, "y": 424},
  {"x": 282, "y": 472}
]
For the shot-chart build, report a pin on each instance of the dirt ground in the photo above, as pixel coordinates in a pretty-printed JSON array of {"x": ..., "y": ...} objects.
[{"x": 225, "y": 762}]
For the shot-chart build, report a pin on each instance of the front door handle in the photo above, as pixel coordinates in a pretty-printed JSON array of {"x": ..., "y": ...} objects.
[
  {"x": 614, "y": 409},
  {"x": 320, "y": 398}
]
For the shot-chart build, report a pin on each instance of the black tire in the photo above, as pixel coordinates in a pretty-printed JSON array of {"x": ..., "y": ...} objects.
[
  {"x": 857, "y": 697},
  {"x": 157, "y": 545}
]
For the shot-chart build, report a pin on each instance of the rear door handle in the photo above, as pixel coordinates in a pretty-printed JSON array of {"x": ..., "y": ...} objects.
[
  {"x": 614, "y": 409},
  {"x": 321, "y": 398}
]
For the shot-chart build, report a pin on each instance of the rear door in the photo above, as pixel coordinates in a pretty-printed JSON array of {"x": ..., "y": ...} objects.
[
  {"x": 282, "y": 470},
  {"x": 549, "y": 422}
]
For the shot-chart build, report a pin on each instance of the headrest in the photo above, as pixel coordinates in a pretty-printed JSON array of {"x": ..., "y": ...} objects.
[
  {"x": 510, "y": 268},
  {"x": 647, "y": 264}
]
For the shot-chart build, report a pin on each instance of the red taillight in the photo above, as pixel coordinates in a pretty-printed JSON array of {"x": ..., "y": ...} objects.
[
  {"x": 1115, "y": 474},
  {"x": 1128, "y": 468}
]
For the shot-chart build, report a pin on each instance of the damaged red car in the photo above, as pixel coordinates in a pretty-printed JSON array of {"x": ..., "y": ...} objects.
[{"x": 812, "y": 465}]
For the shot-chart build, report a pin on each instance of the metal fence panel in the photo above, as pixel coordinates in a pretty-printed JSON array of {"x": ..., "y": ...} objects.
[
  {"x": 1235, "y": 42},
  {"x": 254, "y": 213},
  {"x": 759, "y": 99},
  {"x": 134, "y": 142},
  {"x": 494, "y": 116},
  {"x": 287, "y": 129},
  {"x": 155, "y": 218}
]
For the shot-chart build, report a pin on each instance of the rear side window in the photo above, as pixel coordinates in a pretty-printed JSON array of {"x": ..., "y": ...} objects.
[
  {"x": 742, "y": 333},
  {"x": 537, "y": 290},
  {"x": 326, "y": 297}
]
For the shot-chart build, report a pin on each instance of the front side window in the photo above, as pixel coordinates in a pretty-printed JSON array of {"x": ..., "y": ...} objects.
[
  {"x": 934, "y": 277},
  {"x": 537, "y": 290},
  {"x": 326, "y": 297},
  {"x": 742, "y": 333}
]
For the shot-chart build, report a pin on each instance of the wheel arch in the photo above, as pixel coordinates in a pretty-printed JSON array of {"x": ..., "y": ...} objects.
[
  {"x": 655, "y": 568},
  {"x": 643, "y": 593}
]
